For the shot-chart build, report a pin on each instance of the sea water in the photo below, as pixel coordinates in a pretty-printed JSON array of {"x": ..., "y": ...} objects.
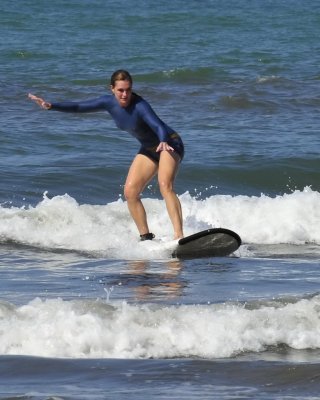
[{"x": 89, "y": 312}]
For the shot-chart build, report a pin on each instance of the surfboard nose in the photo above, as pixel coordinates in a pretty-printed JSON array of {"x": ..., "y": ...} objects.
[{"x": 215, "y": 242}]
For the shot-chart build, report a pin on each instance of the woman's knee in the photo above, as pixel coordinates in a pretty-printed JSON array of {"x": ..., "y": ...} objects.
[
  {"x": 131, "y": 193},
  {"x": 166, "y": 187}
]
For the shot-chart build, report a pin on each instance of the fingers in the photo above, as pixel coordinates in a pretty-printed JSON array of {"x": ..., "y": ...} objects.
[
  {"x": 38, "y": 100},
  {"x": 164, "y": 146}
]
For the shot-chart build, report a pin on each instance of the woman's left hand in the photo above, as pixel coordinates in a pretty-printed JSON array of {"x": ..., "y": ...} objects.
[{"x": 164, "y": 146}]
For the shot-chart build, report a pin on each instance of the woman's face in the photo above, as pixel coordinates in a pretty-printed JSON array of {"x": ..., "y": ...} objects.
[{"x": 122, "y": 91}]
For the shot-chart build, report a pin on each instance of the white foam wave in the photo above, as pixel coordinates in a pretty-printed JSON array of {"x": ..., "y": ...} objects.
[
  {"x": 95, "y": 329},
  {"x": 290, "y": 218},
  {"x": 61, "y": 223}
]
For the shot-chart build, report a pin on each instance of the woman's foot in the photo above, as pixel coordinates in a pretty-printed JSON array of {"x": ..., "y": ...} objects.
[{"x": 146, "y": 236}]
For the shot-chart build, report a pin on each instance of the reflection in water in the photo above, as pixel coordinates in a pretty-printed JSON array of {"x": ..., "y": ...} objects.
[
  {"x": 148, "y": 284},
  {"x": 151, "y": 281}
]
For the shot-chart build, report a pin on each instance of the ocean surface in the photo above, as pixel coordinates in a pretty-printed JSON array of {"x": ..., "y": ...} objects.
[{"x": 88, "y": 312}]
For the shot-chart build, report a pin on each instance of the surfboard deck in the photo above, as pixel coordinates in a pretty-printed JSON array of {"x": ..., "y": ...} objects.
[{"x": 215, "y": 242}]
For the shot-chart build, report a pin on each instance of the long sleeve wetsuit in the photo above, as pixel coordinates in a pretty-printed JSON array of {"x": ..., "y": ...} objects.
[{"x": 138, "y": 119}]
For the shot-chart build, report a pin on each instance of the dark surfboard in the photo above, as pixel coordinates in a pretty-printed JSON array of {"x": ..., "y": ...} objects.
[{"x": 215, "y": 242}]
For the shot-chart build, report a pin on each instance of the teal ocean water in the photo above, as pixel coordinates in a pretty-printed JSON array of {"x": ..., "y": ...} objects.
[{"x": 87, "y": 311}]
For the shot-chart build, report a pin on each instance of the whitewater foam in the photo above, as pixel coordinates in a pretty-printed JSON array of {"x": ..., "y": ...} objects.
[
  {"x": 61, "y": 223},
  {"x": 96, "y": 329}
]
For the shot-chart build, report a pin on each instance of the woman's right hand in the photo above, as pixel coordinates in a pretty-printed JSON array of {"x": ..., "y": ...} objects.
[{"x": 42, "y": 103}]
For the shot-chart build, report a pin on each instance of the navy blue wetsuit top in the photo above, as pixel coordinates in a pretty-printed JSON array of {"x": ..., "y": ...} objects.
[{"x": 138, "y": 118}]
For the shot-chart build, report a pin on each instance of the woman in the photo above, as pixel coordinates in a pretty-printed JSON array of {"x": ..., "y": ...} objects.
[{"x": 161, "y": 147}]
